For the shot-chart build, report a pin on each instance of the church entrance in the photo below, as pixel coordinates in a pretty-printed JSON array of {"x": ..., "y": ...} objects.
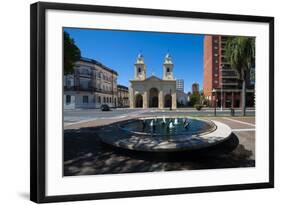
[
  {"x": 153, "y": 97},
  {"x": 139, "y": 100},
  {"x": 168, "y": 100}
]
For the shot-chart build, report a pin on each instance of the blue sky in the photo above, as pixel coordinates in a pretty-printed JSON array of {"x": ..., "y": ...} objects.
[{"x": 119, "y": 49}]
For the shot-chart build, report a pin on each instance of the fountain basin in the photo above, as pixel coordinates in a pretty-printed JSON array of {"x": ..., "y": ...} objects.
[{"x": 159, "y": 137}]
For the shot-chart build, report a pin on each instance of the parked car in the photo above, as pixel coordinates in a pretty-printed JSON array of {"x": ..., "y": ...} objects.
[{"x": 105, "y": 107}]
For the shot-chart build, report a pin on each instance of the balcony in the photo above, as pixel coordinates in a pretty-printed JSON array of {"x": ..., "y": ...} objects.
[
  {"x": 89, "y": 89},
  {"x": 83, "y": 75},
  {"x": 77, "y": 88},
  {"x": 229, "y": 74},
  {"x": 228, "y": 71},
  {"x": 229, "y": 77},
  {"x": 229, "y": 83}
]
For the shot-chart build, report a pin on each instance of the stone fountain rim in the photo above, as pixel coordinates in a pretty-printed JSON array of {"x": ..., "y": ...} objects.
[{"x": 222, "y": 133}]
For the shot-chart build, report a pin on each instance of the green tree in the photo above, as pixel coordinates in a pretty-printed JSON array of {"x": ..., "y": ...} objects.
[
  {"x": 203, "y": 100},
  {"x": 71, "y": 53},
  {"x": 240, "y": 52},
  {"x": 194, "y": 99}
]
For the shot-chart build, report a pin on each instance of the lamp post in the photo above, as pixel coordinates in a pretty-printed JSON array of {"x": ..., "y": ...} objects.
[
  {"x": 221, "y": 88},
  {"x": 216, "y": 100},
  {"x": 221, "y": 98}
]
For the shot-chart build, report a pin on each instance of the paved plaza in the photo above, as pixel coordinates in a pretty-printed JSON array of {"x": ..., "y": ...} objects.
[{"x": 85, "y": 154}]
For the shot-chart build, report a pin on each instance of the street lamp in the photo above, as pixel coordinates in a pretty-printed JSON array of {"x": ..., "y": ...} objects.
[
  {"x": 216, "y": 100},
  {"x": 221, "y": 87},
  {"x": 221, "y": 97}
]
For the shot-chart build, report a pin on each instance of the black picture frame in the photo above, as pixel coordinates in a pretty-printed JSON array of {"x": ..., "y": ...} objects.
[{"x": 38, "y": 103}]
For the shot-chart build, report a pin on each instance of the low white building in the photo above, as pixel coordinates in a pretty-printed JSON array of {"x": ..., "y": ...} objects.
[
  {"x": 182, "y": 99},
  {"x": 91, "y": 85}
]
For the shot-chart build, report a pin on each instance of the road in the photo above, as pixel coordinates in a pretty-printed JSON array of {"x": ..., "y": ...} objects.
[{"x": 84, "y": 115}]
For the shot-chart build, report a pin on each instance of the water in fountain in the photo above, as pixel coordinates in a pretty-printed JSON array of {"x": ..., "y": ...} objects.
[
  {"x": 143, "y": 125},
  {"x": 158, "y": 127}
]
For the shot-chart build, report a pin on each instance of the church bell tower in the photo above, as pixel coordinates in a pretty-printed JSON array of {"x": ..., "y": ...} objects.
[
  {"x": 168, "y": 68},
  {"x": 140, "y": 68}
]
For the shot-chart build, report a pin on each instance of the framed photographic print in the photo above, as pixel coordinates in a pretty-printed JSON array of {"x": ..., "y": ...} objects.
[{"x": 129, "y": 102}]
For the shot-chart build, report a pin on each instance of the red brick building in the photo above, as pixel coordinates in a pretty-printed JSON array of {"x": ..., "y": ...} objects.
[
  {"x": 221, "y": 84},
  {"x": 195, "y": 88}
]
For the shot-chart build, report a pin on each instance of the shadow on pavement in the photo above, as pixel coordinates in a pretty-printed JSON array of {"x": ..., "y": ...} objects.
[{"x": 85, "y": 154}]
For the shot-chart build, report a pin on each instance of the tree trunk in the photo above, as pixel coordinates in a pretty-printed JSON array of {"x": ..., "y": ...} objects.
[{"x": 243, "y": 97}]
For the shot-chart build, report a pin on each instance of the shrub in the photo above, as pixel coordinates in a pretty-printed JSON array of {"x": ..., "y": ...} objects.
[{"x": 198, "y": 106}]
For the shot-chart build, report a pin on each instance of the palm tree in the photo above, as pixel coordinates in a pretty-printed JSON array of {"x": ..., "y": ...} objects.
[{"x": 240, "y": 52}]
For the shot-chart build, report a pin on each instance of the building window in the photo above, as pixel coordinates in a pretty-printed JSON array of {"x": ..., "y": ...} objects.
[
  {"x": 110, "y": 99},
  {"x": 68, "y": 83},
  {"x": 99, "y": 99},
  {"x": 168, "y": 70},
  {"x": 85, "y": 99},
  {"x": 68, "y": 99},
  {"x": 104, "y": 99},
  {"x": 139, "y": 70},
  {"x": 85, "y": 71},
  {"x": 107, "y": 100}
]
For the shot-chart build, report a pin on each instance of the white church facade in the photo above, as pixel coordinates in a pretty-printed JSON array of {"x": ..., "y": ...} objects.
[{"x": 153, "y": 92}]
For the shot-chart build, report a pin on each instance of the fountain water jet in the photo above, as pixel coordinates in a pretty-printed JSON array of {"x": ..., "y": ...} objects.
[{"x": 171, "y": 126}]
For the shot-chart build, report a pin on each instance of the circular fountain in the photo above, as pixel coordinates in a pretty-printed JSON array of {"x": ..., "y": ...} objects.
[{"x": 165, "y": 134}]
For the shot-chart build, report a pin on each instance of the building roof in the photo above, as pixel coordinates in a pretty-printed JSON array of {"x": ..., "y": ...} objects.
[
  {"x": 123, "y": 87},
  {"x": 88, "y": 60},
  {"x": 153, "y": 77}
]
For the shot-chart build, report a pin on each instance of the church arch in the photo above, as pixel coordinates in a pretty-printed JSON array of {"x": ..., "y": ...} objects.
[
  {"x": 153, "y": 97},
  {"x": 139, "y": 101}
]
